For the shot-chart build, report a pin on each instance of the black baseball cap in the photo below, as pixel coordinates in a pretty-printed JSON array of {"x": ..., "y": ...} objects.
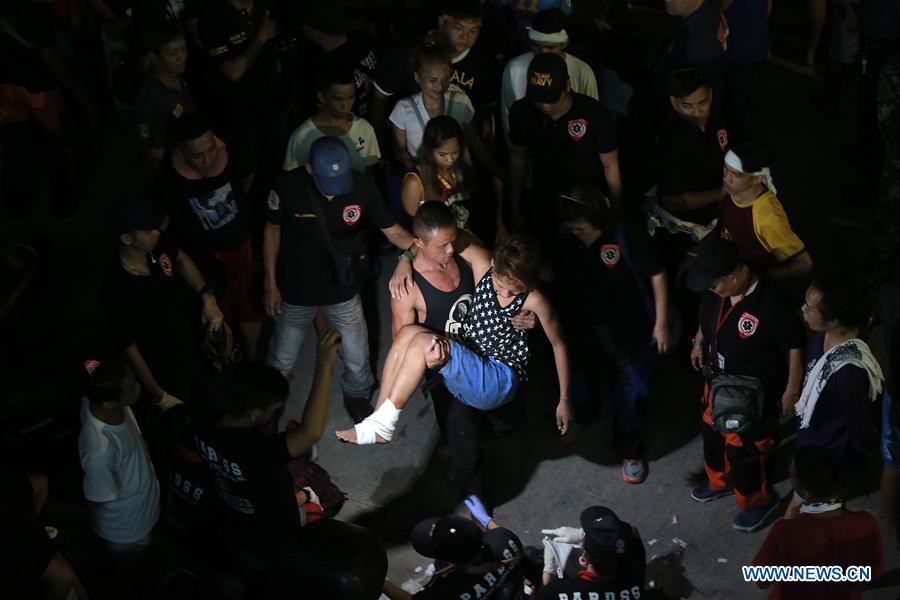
[
  {"x": 136, "y": 215},
  {"x": 605, "y": 536},
  {"x": 452, "y": 539},
  {"x": 716, "y": 258},
  {"x": 547, "y": 78}
]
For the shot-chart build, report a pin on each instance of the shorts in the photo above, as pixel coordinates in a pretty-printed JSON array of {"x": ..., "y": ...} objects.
[
  {"x": 237, "y": 305},
  {"x": 890, "y": 433},
  {"x": 482, "y": 383}
]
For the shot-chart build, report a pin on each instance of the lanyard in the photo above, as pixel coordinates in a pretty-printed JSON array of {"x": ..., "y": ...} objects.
[{"x": 720, "y": 320}]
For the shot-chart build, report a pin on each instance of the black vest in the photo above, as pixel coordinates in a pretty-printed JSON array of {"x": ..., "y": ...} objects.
[{"x": 445, "y": 311}]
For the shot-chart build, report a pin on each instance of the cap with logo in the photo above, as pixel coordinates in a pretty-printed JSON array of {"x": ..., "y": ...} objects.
[
  {"x": 452, "y": 539},
  {"x": 605, "y": 536},
  {"x": 547, "y": 78},
  {"x": 716, "y": 258},
  {"x": 330, "y": 162}
]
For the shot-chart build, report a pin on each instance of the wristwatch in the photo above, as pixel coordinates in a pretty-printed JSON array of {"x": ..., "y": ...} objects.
[
  {"x": 697, "y": 343},
  {"x": 206, "y": 289}
]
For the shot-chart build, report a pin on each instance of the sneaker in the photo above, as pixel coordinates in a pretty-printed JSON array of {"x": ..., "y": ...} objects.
[
  {"x": 703, "y": 493},
  {"x": 754, "y": 519},
  {"x": 634, "y": 471},
  {"x": 358, "y": 408}
]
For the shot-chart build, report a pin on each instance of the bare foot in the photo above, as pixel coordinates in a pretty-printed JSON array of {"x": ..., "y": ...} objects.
[{"x": 349, "y": 436}]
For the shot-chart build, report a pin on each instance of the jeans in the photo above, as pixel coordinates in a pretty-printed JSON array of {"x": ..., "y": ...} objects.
[{"x": 347, "y": 317}]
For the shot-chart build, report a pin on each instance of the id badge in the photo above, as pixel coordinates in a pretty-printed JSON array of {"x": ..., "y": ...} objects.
[{"x": 721, "y": 360}]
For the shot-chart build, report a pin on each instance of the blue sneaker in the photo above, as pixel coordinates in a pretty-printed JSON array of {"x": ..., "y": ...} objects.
[
  {"x": 703, "y": 493},
  {"x": 754, "y": 519}
]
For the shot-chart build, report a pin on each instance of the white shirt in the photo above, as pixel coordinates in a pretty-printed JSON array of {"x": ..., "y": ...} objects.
[
  {"x": 118, "y": 476},
  {"x": 515, "y": 81},
  {"x": 409, "y": 114},
  {"x": 360, "y": 141}
]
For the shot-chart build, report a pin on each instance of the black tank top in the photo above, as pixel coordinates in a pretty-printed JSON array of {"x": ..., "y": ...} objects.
[{"x": 446, "y": 311}]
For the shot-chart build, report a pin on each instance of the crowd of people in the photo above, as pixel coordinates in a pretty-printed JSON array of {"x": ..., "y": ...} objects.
[{"x": 527, "y": 174}]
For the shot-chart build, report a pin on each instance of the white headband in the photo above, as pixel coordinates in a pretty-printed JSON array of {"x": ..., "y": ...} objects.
[
  {"x": 557, "y": 37},
  {"x": 734, "y": 161}
]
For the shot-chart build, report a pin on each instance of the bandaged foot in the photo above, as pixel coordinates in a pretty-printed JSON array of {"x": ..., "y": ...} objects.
[{"x": 377, "y": 428}]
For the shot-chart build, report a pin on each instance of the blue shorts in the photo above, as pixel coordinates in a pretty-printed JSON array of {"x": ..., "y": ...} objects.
[
  {"x": 890, "y": 433},
  {"x": 482, "y": 383}
]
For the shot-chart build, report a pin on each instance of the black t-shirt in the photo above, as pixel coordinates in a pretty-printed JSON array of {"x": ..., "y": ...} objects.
[
  {"x": 188, "y": 492},
  {"x": 394, "y": 76},
  {"x": 503, "y": 582},
  {"x": 208, "y": 215},
  {"x": 358, "y": 54},
  {"x": 686, "y": 158},
  {"x": 226, "y": 32},
  {"x": 755, "y": 336},
  {"x": 251, "y": 478},
  {"x": 699, "y": 41},
  {"x": 306, "y": 269},
  {"x": 590, "y": 586},
  {"x": 157, "y": 108},
  {"x": 567, "y": 149},
  {"x": 158, "y": 312},
  {"x": 476, "y": 75},
  {"x": 601, "y": 288},
  {"x": 26, "y": 29}
]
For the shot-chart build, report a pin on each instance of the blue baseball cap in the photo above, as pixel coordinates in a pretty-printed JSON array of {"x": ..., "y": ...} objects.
[{"x": 330, "y": 162}]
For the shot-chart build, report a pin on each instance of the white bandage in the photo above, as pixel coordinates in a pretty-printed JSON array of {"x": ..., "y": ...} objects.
[
  {"x": 557, "y": 37},
  {"x": 381, "y": 423},
  {"x": 734, "y": 161}
]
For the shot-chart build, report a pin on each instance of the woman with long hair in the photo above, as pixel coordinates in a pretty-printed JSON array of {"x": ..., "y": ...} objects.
[{"x": 443, "y": 171}]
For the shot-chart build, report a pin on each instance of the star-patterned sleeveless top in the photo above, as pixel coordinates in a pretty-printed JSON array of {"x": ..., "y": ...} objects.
[{"x": 488, "y": 330}]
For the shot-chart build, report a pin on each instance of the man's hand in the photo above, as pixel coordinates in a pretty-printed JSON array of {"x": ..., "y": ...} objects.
[
  {"x": 563, "y": 416},
  {"x": 438, "y": 353},
  {"x": 211, "y": 315},
  {"x": 401, "y": 282},
  {"x": 568, "y": 535},
  {"x": 661, "y": 337},
  {"x": 272, "y": 300},
  {"x": 267, "y": 29},
  {"x": 327, "y": 347},
  {"x": 697, "y": 358},
  {"x": 788, "y": 401},
  {"x": 524, "y": 320}
]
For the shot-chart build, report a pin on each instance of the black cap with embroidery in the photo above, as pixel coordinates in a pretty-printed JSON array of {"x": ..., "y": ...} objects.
[
  {"x": 605, "y": 536},
  {"x": 452, "y": 539},
  {"x": 716, "y": 258},
  {"x": 547, "y": 78}
]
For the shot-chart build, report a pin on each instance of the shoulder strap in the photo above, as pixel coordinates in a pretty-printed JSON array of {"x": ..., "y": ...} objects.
[
  {"x": 415, "y": 103},
  {"x": 638, "y": 279},
  {"x": 315, "y": 201}
]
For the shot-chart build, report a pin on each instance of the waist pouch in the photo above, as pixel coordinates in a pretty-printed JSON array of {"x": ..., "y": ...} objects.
[{"x": 736, "y": 403}]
